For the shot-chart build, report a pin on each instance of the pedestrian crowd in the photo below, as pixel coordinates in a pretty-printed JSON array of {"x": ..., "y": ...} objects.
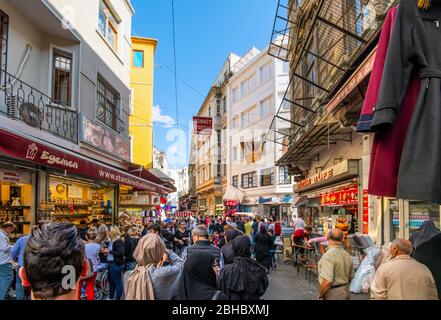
[
  {"x": 191, "y": 258},
  {"x": 199, "y": 259}
]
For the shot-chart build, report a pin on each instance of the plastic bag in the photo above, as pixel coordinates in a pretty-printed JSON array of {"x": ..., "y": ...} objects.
[
  {"x": 367, "y": 266},
  {"x": 367, "y": 281}
]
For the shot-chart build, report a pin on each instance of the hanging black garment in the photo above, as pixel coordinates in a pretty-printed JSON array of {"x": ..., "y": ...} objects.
[
  {"x": 429, "y": 254},
  {"x": 415, "y": 45}
]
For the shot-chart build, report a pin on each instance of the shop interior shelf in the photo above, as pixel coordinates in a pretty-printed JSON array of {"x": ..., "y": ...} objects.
[
  {"x": 21, "y": 223},
  {"x": 73, "y": 205},
  {"x": 14, "y": 208},
  {"x": 74, "y": 215}
]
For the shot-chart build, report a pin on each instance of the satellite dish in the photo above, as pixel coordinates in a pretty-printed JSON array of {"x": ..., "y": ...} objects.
[{"x": 30, "y": 114}]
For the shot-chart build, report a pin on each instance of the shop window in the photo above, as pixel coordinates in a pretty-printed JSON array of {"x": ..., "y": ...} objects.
[
  {"x": 394, "y": 216},
  {"x": 107, "y": 104},
  {"x": 62, "y": 77},
  {"x": 267, "y": 177},
  {"x": 138, "y": 58},
  {"x": 107, "y": 24},
  {"x": 420, "y": 211}
]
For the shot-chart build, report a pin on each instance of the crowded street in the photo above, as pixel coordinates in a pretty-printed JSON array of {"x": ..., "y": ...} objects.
[{"x": 229, "y": 151}]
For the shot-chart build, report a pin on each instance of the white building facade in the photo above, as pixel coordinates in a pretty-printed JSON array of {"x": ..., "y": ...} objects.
[{"x": 254, "y": 94}]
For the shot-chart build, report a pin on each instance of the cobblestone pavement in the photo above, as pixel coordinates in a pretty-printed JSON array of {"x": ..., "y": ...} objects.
[{"x": 285, "y": 284}]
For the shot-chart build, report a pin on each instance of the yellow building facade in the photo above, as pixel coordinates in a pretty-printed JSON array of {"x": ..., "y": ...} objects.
[{"x": 141, "y": 83}]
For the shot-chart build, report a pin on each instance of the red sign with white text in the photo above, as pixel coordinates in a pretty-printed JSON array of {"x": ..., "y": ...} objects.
[
  {"x": 24, "y": 149},
  {"x": 344, "y": 196},
  {"x": 365, "y": 212},
  {"x": 203, "y": 126}
]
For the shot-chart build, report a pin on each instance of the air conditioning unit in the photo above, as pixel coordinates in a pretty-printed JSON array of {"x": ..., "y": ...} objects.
[{"x": 30, "y": 114}]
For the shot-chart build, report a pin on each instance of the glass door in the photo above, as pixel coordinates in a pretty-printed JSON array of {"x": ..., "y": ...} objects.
[{"x": 419, "y": 211}]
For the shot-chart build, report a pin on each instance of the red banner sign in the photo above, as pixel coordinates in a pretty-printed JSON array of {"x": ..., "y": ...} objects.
[
  {"x": 24, "y": 149},
  {"x": 203, "y": 126},
  {"x": 365, "y": 212},
  {"x": 345, "y": 196}
]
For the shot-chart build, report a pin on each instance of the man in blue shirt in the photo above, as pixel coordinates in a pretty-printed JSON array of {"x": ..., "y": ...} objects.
[
  {"x": 6, "y": 272},
  {"x": 17, "y": 255}
]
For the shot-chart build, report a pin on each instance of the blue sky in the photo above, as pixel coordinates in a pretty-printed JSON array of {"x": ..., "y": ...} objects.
[{"x": 206, "y": 32}]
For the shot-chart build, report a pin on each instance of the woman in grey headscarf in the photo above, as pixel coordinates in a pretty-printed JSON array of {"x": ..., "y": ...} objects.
[
  {"x": 152, "y": 279},
  {"x": 427, "y": 249}
]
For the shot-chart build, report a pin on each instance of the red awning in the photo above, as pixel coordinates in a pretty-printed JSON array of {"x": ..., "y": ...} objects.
[{"x": 39, "y": 153}]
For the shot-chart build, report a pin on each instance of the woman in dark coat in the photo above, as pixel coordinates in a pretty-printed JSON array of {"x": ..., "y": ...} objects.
[
  {"x": 130, "y": 243},
  {"x": 244, "y": 279},
  {"x": 198, "y": 279},
  {"x": 227, "y": 249},
  {"x": 262, "y": 247},
  {"x": 427, "y": 250}
]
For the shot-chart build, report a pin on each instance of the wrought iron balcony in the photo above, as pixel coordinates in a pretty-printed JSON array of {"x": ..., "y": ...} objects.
[
  {"x": 21, "y": 102},
  {"x": 109, "y": 117}
]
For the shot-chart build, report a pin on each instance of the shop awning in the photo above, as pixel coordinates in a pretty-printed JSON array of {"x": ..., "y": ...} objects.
[
  {"x": 150, "y": 175},
  {"x": 302, "y": 200},
  {"x": 54, "y": 157},
  {"x": 233, "y": 194}
]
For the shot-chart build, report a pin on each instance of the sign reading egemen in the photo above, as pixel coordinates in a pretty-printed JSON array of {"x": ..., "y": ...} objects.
[{"x": 203, "y": 126}]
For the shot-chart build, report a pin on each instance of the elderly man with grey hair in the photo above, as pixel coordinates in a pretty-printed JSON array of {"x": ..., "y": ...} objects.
[
  {"x": 403, "y": 278},
  {"x": 335, "y": 269},
  {"x": 199, "y": 236}
]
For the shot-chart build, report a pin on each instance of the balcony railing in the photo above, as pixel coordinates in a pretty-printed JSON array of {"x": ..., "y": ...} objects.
[
  {"x": 21, "y": 102},
  {"x": 109, "y": 117}
]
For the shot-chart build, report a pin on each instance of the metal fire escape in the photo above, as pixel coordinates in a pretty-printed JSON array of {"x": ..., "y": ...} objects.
[{"x": 323, "y": 40}]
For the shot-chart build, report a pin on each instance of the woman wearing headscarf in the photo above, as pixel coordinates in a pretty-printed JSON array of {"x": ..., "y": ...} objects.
[
  {"x": 198, "y": 280},
  {"x": 427, "y": 250},
  {"x": 227, "y": 249},
  {"x": 244, "y": 279},
  {"x": 262, "y": 247},
  {"x": 151, "y": 280}
]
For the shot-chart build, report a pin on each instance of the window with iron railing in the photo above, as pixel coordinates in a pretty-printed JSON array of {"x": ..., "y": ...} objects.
[
  {"x": 62, "y": 77},
  {"x": 107, "y": 104},
  {"x": 4, "y": 27}
]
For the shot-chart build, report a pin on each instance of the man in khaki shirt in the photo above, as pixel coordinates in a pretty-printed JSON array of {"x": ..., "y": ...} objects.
[
  {"x": 403, "y": 278},
  {"x": 335, "y": 269}
]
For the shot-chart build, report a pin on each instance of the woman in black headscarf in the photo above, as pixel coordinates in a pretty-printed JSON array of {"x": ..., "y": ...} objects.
[
  {"x": 427, "y": 250},
  {"x": 262, "y": 247},
  {"x": 244, "y": 279},
  {"x": 198, "y": 279},
  {"x": 227, "y": 249}
]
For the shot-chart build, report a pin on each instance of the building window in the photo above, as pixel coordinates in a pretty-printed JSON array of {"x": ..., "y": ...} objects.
[
  {"x": 267, "y": 177},
  {"x": 242, "y": 151},
  {"x": 107, "y": 104},
  {"x": 234, "y": 154},
  {"x": 247, "y": 86},
  {"x": 265, "y": 73},
  {"x": 235, "y": 181},
  {"x": 61, "y": 77},
  {"x": 249, "y": 180},
  {"x": 284, "y": 177},
  {"x": 4, "y": 27},
  {"x": 265, "y": 107},
  {"x": 224, "y": 103},
  {"x": 235, "y": 94},
  {"x": 218, "y": 107},
  {"x": 107, "y": 24},
  {"x": 138, "y": 58}
]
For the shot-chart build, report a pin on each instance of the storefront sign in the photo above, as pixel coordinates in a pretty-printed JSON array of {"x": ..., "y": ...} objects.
[
  {"x": 203, "y": 126},
  {"x": 22, "y": 148},
  {"x": 365, "y": 212},
  {"x": 99, "y": 137},
  {"x": 341, "y": 170},
  {"x": 135, "y": 200},
  {"x": 362, "y": 72},
  {"x": 344, "y": 196},
  {"x": 231, "y": 203},
  {"x": 13, "y": 176}
]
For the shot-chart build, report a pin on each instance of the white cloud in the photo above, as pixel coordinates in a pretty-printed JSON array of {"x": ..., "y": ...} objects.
[{"x": 162, "y": 119}]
